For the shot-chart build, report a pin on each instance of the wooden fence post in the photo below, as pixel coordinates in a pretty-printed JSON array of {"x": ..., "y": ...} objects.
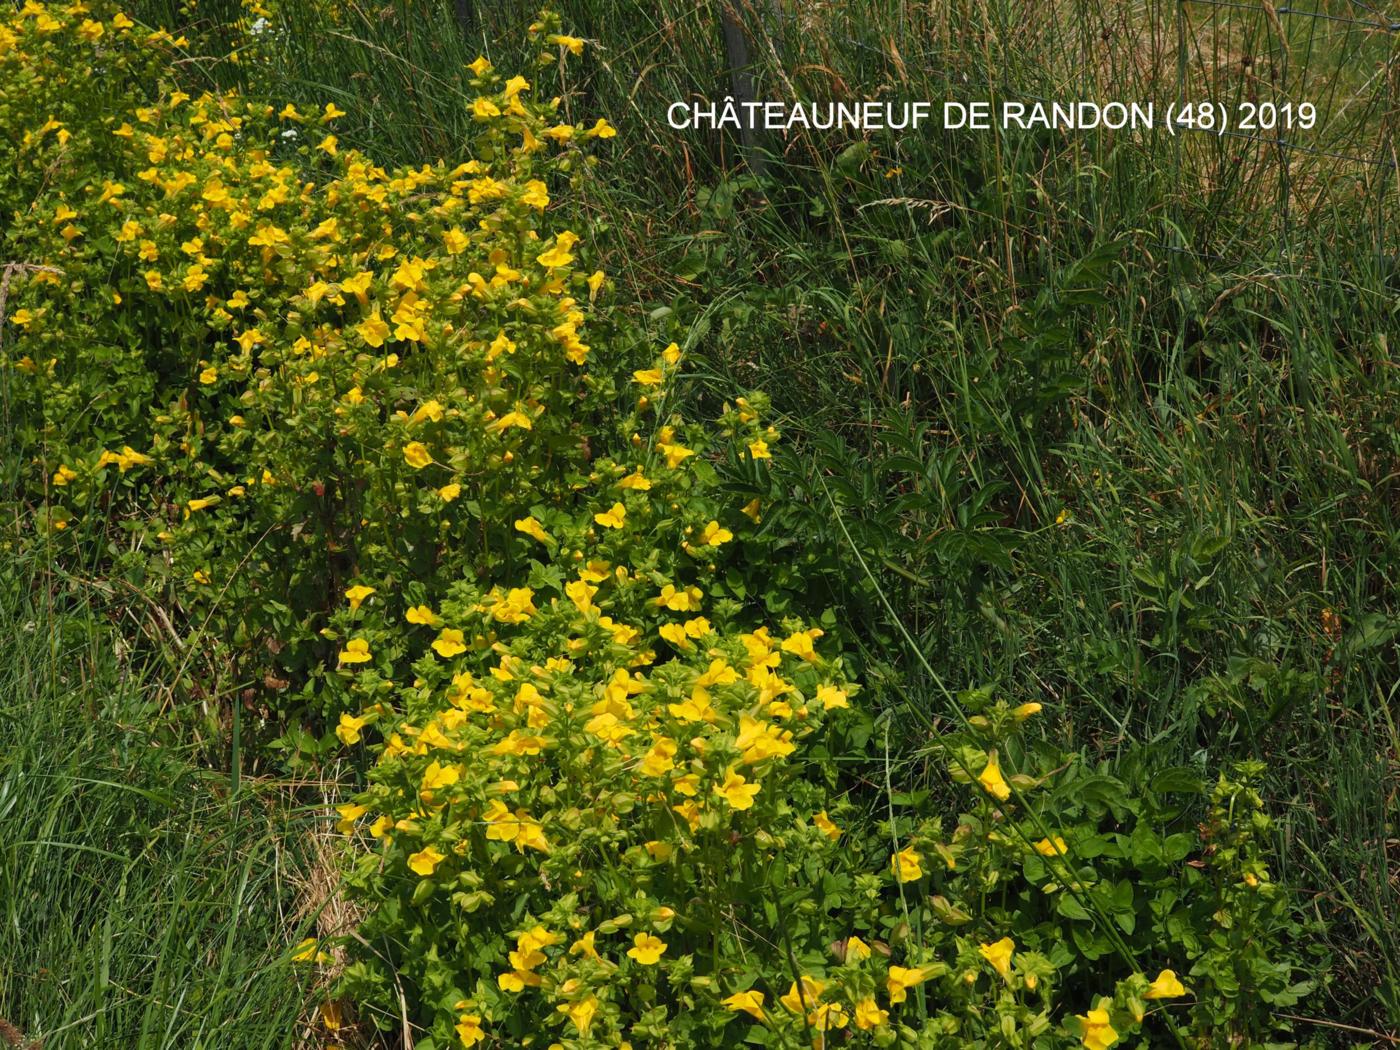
[{"x": 741, "y": 82}]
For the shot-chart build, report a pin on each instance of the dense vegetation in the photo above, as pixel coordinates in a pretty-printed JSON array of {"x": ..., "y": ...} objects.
[{"x": 1019, "y": 671}]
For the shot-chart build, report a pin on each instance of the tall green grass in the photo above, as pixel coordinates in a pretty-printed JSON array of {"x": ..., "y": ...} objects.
[{"x": 144, "y": 903}]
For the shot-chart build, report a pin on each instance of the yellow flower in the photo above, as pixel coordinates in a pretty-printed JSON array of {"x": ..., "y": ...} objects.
[
  {"x": 357, "y": 594},
  {"x": 572, "y": 43},
  {"x": 713, "y": 534},
  {"x": 646, "y": 949},
  {"x": 1166, "y": 986},
  {"x": 811, "y": 991},
  {"x": 449, "y": 492},
  {"x": 1025, "y": 711},
  {"x": 209, "y": 375},
  {"x": 328, "y": 145},
  {"x": 648, "y": 376},
  {"x": 658, "y": 761},
  {"x": 308, "y": 951},
  {"x": 759, "y": 449},
  {"x": 581, "y": 1013},
  {"x": 856, "y": 950},
  {"x": 800, "y": 644},
  {"x": 900, "y": 979},
  {"x": 536, "y": 195},
  {"x": 750, "y": 1002},
  {"x": 484, "y": 109},
  {"x": 373, "y": 329},
  {"x": 349, "y": 813},
  {"x": 425, "y": 861},
  {"x": 356, "y": 651},
  {"x": 999, "y": 955},
  {"x": 751, "y": 510},
  {"x": 827, "y": 826},
  {"x": 614, "y": 518},
  {"x": 907, "y": 865},
  {"x": 449, "y": 643},
  {"x": 735, "y": 790},
  {"x": 869, "y": 1015},
  {"x": 675, "y": 454},
  {"x": 421, "y": 615},
  {"x": 562, "y": 252},
  {"x": 1098, "y": 1033},
  {"x": 416, "y": 454},
  {"x": 512, "y": 419},
  {"x": 438, "y": 776},
  {"x": 533, "y": 529},
  {"x": 469, "y": 1030},
  {"x": 1052, "y": 847},
  {"x": 832, "y": 698},
  {"x": 601, "y": 130},
  {"x": 331, "y": 112},
  {"x": 455, "y": 240},
  {"x": 349, "y": 728},
  {"x": 991, "y": 779},
  {"x": 479, "y": 65},
  {"x": 636, "y": 480}
]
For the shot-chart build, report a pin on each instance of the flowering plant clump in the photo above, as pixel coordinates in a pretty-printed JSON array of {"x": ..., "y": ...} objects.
[{"x": 283, "y": 368}]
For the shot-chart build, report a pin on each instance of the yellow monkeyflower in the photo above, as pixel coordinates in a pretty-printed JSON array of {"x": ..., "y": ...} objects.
[
  {"x": 1052, "y": 847},
  {"x": 900, "y": 979},
  {"x": 1166, "y": 986},
  {"x": 648, "y": 376},
  {"x": 810, "y": 992},
  {"x": 449, "y": 643},
  {"x": 991, "y": 779},
  {"x": 422, "y": 615},
  {"x": 416, "y": 455},
  {"x": 714, "y": 534},
  {"x": 1025, "y": 711},
  {"x": 455, "y": 241},
  {"x": 581, "y": 1013},
  {"x": 349, "y": 813},
  {"x": 425, "y": 861},
  {"x": 735, "y": 790},
  {"x": 999, "y": 955},
  {"x": 759, "y": 449},
  {"x": 907, "y": 865},
  {"x": 826, "y": 826},
  {"x": 647, "y": 949},
  {"x": 868, "y": 1014},
  {"x": 349, "y": 728},
  {"x": 1097, "y": 1033},
  {"x": 357, "y": 594},
  {"x": 356, "y": 651},
  {"x": 570, "y": 43},
  {"x": 750, "y": 1002},
  {"x": 469, "y": 1030},
  {"x": 373, "y": 329},
  {"x": 449, "y": 492},
  {"x": 309, "y": 951},
  {"x": 534, "y": 530},
  {"x": 613, "y": 518}
]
